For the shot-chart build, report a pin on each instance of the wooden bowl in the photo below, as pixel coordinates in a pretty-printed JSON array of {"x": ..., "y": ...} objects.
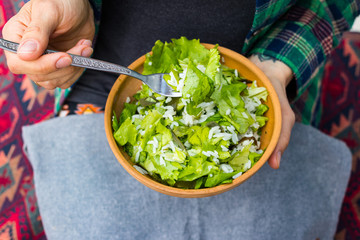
[{"x": 127, "y": 86}]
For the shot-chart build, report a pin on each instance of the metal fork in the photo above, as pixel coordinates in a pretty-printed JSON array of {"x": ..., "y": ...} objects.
[{"x": 155, "y": 81}]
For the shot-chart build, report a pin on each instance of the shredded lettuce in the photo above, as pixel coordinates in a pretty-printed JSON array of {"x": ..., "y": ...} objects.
[{"x": 205, "y": 138}]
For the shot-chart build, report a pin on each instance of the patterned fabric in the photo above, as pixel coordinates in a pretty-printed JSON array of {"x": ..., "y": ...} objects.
[
  {"x": 71, "y": 108},
  {"x": 21, "y": 103},
  {"x": 341, "y": 119}
]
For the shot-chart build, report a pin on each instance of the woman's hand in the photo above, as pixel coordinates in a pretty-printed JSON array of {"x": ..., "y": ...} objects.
[
  {"x": 63, "y": 25},
  {"x": 280, "y": 76}
]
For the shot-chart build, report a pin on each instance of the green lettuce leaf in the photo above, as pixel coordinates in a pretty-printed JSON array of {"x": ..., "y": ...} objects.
[
  {"x": 228, "y": 98},
  {"x": 213, "y": 64},
  {"x": 191, "y": 49},
  {"x": 126, "y": 133},
  {"x": 261, "y": 109},
  {"x": 128, "y": 111},
  {"x": 261, "y": 120},
  {"x": 240, "y": 159},
  {"x": 258, "y": 92},
  {"x": 254, "y": 157},
  {"x": 161, "y": 60},
  {"x": 219, "y": 178},
  {"x": 115, "y": 122},
  {"x": 196, "y": 168},
  {"x": 196, "y": 84}
]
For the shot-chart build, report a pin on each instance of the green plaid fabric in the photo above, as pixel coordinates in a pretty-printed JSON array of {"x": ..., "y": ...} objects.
[{"x": 299, "y": 33}]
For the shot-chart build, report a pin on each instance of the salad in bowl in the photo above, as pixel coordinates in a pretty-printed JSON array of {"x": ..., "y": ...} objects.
[{"x": 207, "y": 138}]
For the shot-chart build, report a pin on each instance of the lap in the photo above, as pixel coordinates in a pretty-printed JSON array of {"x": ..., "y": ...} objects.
[{"x": 84, "y": 193}]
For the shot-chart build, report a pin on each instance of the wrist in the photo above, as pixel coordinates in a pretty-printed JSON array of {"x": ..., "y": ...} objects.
[{"x": 273, "y": 68}]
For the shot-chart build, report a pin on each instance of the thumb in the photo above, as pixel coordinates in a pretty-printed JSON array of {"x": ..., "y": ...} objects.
[{"x": 35, "y": 38}]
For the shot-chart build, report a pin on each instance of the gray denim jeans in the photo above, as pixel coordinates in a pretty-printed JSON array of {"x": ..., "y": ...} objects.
[{"x": 84, "y": 193}]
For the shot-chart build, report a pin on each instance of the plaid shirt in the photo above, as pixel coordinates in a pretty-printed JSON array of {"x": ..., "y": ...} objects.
[{"x": 300, "y": 33}]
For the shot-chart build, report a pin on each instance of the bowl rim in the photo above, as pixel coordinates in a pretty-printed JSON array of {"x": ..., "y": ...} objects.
[{"x": 203, "y": 192}]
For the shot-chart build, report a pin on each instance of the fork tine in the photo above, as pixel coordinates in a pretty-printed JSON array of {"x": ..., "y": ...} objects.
[{"x": 159, "y": 85}]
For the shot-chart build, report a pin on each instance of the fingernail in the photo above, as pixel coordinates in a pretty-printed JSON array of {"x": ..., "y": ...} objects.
[
  {"x": 278, "y": 158},
  {"x": 87, "y": 52},
  {"x": 87, "y": 43},
  {"x": 63, "y": 62},
  {"x": 28, "y": 47}
]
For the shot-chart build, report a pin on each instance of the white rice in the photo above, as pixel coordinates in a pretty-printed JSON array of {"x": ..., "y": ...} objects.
[
  {"x": 138, "y": 109},
  {"x": 234, "y": 138},
  {"x": 188, "y": 119},
  {"x": 169, "y": 113},
  {"x": 162, "y": 161},
  {"x": 193, "y": 152},
  {"x": 137, "y": 155},
  {"x": 185, "y": 101},
  {"x": 172, "y": 146},
  {"x": 214, "y": 130},
  {"x": 223, "y": 148},
  {"x": 255, "y": 125},
  {"x": 251, "y": 104},
  {"x": 247, "y": 165},
  {"x": 155, "y": 144},
  {"x": 207, "y": 114},
  {"x": 160, "y": 98},
  {"x": 253, "y": 148},
  {"x": 206, "y": 154},
  {"x": 137, "y": 116},
  {"x": 140, "y": 169},
  {"x": 216, "y": 160},
  {"x": 206, "y": 105},
  {"x": 226, "y": 168},
  {"x": 224, "y": 136},
  {"x": 173, "y": 124},
  {"x": 233, "y": 151},
  {"x": 214, "y": 153},
  {"x": 231, "y": 129},
  {"x": 237, "y": 175}
]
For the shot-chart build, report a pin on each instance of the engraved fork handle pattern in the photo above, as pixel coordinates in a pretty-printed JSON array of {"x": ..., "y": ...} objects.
[{"x": 155, "y": 81}]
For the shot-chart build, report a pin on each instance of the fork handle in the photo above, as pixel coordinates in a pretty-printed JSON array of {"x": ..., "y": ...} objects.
[{"x": 79, "y": 61}]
